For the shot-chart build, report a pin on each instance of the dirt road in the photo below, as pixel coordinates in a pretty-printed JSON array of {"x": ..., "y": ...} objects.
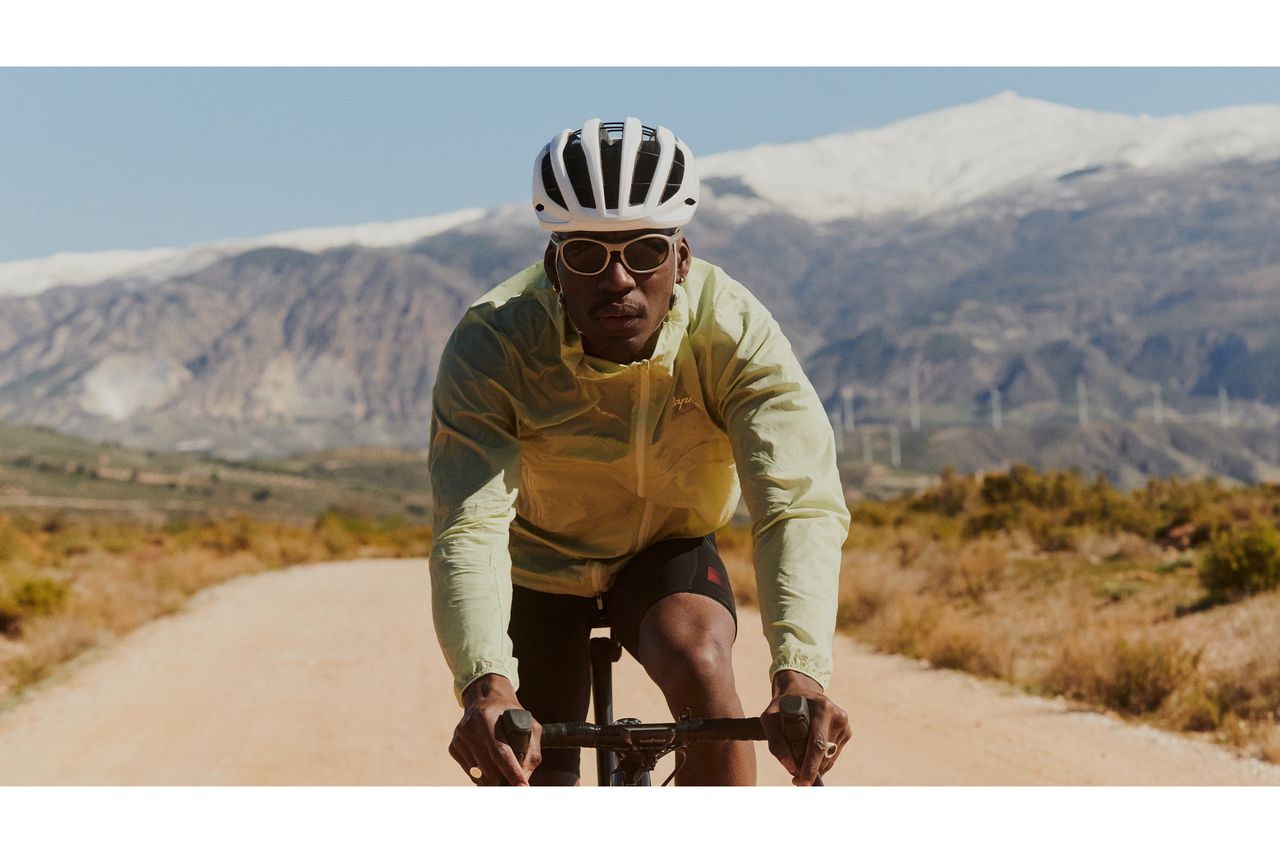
[{"x": 330, "y": 675}]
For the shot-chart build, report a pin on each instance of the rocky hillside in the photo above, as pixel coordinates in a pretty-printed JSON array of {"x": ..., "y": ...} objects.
[{"x": 1010, "y": 261}]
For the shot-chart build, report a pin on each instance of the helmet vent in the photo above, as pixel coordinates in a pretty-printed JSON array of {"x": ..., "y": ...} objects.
[
  {"x": 646, "y": 166},
  {"x": 676, "y": 177},
  {"x": 575, "y": 163},
  {"x": 549, "y": 181}
]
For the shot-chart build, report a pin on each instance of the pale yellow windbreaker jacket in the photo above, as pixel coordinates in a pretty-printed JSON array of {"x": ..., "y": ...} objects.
[{"x": 550, "y": 467}]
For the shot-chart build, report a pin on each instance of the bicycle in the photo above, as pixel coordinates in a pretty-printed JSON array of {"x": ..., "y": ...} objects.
[{"x": 627, "y": 750}]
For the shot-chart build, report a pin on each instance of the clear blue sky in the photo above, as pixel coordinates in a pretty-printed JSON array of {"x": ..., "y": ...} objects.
[{"x": 142, "y": 157}]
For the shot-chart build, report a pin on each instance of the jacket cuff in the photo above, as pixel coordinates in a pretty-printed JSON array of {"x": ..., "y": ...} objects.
[
  {"x": 817, "y": 668},
  {"x": 485, "y": 667}
]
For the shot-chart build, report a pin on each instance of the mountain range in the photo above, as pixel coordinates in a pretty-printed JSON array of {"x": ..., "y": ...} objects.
[{"x": 1064, "y": 274}]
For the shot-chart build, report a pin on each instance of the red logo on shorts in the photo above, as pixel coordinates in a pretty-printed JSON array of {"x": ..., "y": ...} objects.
[{"x": 713, "y": 575}]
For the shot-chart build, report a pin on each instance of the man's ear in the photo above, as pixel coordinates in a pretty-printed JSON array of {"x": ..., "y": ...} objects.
[
  {"x": 684, "y": 256},
  {"x": 549, "y": 265}
]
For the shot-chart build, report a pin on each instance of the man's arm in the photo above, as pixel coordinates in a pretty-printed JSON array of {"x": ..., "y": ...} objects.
[
  {"x": 475, "y": 473},
  {"x": 474, "y": 460},
  {"x": 785, "y": 454}
]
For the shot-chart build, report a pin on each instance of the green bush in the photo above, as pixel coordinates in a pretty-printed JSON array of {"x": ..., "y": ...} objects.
[
  {"x": 1144, "y": 673},
  {"x": 16, "y": 545},
  {"x": 39, "y": 596},
  {"x": 1241, "y": 561},
  {"x": 953, "y": 496},
  {"x": 1054, "y": 506},
  {"x": 874, "y": 514},
  {"x": 27, "y": 596}
]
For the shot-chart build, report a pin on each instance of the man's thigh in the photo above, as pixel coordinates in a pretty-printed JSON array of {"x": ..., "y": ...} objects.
[{"x": 672, "y": 572}]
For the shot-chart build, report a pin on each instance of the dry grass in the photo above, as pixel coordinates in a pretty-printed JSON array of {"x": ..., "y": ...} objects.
[
  {"x": 1268, "y": 742},
  {"x": 1113, "y": 669},
  {"x": 66, "y": 586},
  {"x": 1106, "y": 616},
  {"x": 1117, "y": 621},
  {"x": 958, "y": 643},
  {"x": 970, "y": 571}
]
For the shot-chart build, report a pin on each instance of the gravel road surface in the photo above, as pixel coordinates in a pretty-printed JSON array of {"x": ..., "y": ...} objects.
[{"x": 330, "y": 675}]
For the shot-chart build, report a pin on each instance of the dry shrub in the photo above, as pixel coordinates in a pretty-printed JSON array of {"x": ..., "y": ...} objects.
[
  {"x": 1192, "y": 708},
  {"x": 868, "y": 581},
  {"x": 10, "y": 653},
  {"x": 735, "y": 538},
  {"x": 1250, "y": 692},
  {"x": 1021, "y": 543},
  {"x": 107, "y": 576},
  {"x": 956, "y": 643},
  {"x": 1269, "y": 743},
  {"x": 897, "y": 609},
  {"x": 971, "y": 571},
  {"x": 1132, "y": 676},
  {"x": 121, "y": 538},
  {"x": 967, "y": 572},
  {"x": 17, "y": 545},
  {"x": 910, "y": 544},
  {"x": 24, "y": 595},
  {"x": 116, "y": 596},
  {"x": 901, "y": 625},
  {"x": 1097, "y": 546},
  {"x": 48, "y": 642},
  {"x": 864, "y": 537}
]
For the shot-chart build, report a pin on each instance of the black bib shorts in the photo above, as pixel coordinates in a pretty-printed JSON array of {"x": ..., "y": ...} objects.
[{"x": 549, "y": 632}]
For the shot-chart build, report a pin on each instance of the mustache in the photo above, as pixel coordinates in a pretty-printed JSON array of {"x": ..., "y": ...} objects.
[{"x": 614, "y": 308}]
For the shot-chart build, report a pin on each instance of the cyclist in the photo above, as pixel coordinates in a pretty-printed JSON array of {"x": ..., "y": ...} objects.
[{"x": 596, "y": 418}]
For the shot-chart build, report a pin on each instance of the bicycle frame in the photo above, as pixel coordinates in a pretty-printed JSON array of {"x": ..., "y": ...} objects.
[{"x": 605, "y": 651}]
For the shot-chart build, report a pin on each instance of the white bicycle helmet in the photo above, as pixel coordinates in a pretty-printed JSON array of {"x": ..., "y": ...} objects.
[{"x": 614, "y": 176}]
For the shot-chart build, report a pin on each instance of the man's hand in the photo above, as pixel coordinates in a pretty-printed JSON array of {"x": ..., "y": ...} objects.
[
  {"x": 829, "y": 727},
  {"x": 475, "y": 743}
]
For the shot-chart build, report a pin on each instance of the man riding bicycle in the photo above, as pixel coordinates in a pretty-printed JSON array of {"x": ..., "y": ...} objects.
[{"x": 596, "y": 418}]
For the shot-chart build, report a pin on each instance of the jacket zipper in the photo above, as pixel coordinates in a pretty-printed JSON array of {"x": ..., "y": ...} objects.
[
  {"x": 641, "y": 439},
  {"x": 641, "y": 442}
]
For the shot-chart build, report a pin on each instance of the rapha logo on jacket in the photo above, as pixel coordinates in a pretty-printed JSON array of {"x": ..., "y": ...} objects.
[{"x": 683, "y": 404}]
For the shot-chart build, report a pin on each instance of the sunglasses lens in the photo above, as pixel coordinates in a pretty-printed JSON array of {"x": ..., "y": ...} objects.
[
  {"x": 646, "y": 254},
  {"x": 586, "y": 257}
]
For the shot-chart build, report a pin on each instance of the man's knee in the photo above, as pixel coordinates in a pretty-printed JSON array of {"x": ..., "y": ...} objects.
[{"x": 686, "y": 646}]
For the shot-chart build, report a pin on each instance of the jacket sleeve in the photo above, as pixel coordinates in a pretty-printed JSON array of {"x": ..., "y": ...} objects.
[
  {"x": 474, "y": 460},
  {"x": 784, "y": 450}
]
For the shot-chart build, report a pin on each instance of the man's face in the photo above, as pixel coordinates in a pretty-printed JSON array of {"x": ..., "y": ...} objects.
[{"x": 616, "y": 311}]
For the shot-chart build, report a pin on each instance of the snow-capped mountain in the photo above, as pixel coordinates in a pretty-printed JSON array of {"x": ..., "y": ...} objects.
[
  {"x": 910, "y": 169},
  {"x": 1009, "y": 249},
  {"x": 953, "y": 157},
  {"x": 27, "y": 277}
]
